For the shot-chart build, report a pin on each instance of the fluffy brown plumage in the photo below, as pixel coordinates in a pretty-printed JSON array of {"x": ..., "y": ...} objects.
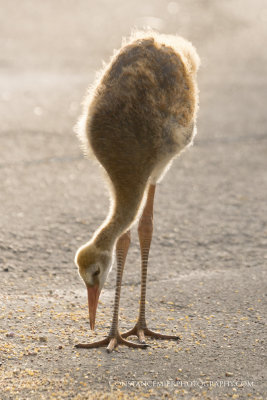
[{"x": 141, "y": 113}]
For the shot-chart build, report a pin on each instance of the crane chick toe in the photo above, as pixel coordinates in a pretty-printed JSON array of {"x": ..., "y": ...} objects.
[
  {"x": 111, "y": 342},
  {"x": 142, "y": 333}
]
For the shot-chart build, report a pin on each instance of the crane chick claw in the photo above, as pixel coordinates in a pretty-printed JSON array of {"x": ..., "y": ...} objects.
[
  {"x": 111, "y": 343},
  {"x": 142, "y": 333}
]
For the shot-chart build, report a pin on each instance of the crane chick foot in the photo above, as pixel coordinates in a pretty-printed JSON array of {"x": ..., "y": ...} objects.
[
  {"x": 111, "y": 342},
  {"x": 141, "y": 333}
]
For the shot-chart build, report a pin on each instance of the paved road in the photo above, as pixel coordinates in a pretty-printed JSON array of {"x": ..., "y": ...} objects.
[{"x": 207, "y": 277}]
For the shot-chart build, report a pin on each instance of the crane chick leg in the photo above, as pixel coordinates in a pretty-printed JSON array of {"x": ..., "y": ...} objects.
[
  {"x": 145, "y": 231},
  {"x": 121, "y": 252},
  {"x": 114, "y": 338}
]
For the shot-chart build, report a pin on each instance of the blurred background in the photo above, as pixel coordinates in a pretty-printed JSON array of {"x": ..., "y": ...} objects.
[
  {"x": 50, "y": 52},
  {"x": 210, "y": 212}
]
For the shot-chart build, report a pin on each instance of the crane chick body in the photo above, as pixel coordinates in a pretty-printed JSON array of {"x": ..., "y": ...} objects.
[{"x": 137, "y": 118}]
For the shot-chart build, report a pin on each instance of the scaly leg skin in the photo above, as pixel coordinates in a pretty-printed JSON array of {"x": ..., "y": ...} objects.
[
  {"x": 114, "y": 338},
  {"x": 145, "y": 230}
]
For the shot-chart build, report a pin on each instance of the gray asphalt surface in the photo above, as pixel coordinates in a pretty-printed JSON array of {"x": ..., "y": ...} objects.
[{"x": 207, "y": 275}]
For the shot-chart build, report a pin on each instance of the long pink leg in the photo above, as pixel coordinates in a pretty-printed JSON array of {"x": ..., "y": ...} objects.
[
  {"x": 114, "y": 338},
  {"x": 145, "y": 231}
]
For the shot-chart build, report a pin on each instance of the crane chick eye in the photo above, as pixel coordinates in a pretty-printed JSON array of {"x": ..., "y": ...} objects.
[{"x": 96, "y": 272}]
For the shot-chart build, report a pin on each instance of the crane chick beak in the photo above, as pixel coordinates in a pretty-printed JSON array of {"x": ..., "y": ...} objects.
[{"x": 93, "y": 293}]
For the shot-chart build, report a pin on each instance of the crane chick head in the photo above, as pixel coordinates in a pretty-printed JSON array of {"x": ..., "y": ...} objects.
[{"x": 94, "y": 265}]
